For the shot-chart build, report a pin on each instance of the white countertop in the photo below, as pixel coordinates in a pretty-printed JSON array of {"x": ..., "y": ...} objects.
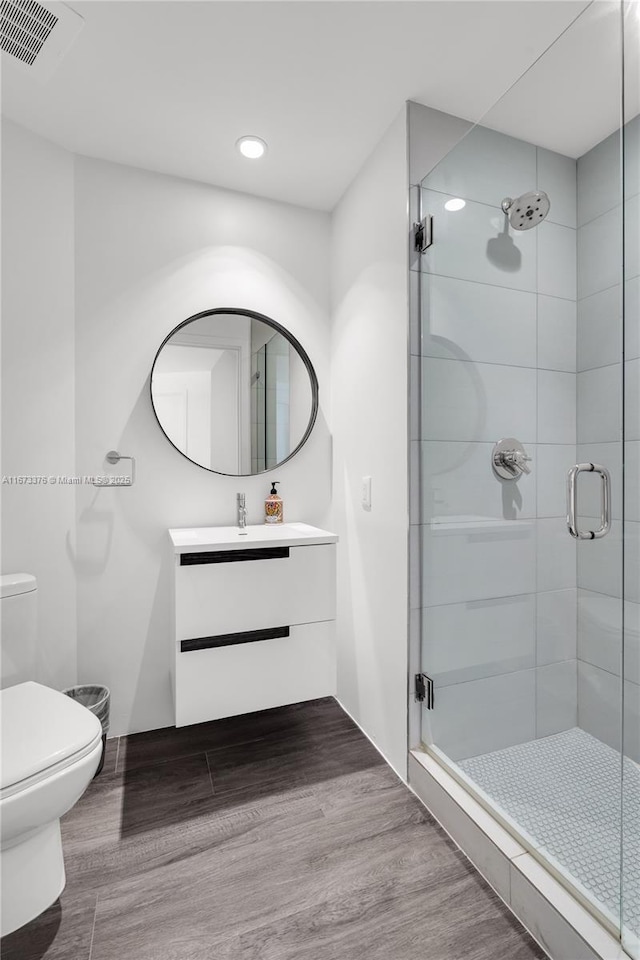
[{"x": 203, "y": 539}]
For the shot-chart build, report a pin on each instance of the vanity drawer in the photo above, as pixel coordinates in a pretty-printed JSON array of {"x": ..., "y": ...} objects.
[
  {"x": 238, "y": 595},
  {"x": 238, "y": 675}
]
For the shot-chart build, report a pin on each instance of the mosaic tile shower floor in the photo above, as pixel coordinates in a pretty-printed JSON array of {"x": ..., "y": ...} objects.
[{"x": 564, "y": 791}]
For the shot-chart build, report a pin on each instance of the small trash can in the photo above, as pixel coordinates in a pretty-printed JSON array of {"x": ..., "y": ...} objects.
[{"x": 97, "y": 699}]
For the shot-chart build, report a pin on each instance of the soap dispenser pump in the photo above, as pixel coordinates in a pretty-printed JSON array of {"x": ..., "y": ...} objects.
[{"x": 273, "y": 505}]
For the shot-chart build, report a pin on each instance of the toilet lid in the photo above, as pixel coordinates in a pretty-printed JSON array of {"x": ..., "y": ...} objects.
[{"x": 41, "y": 728}]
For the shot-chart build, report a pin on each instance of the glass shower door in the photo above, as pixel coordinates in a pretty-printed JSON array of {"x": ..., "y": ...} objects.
[
  {"x": 631, "y": 623},
  {"x": 522, "y": 380}
]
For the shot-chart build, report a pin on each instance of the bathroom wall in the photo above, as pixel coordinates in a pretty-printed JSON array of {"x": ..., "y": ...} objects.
[
  {"x": 369, "y": 369},
  {"x": 152, "y": 250},
  {"x": 600, "y": 402},
  {"x": 497, "y": 598},
  {"x": 369, "y": 395},
  {"x": 38, "y": 520}
]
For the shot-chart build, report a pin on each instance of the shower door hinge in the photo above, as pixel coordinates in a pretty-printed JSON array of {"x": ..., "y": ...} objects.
[
  {"x": 425, "y": 690},
  {"x": 423, "y": 234}
]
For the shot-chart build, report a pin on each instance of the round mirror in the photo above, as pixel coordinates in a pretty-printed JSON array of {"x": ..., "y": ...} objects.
[{"x": 233, "y": 391}]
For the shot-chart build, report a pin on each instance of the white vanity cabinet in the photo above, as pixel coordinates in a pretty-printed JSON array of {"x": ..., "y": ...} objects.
[{"x": 254, "y": 618}]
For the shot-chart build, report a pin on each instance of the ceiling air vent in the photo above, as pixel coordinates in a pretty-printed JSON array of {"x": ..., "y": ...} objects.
[
  {"x": 35, "y": 36},
  {"x": 25, "y": 26}
]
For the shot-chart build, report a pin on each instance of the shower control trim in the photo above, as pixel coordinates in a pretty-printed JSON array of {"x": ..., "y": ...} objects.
[
  {"x": 509, "y": 459},
  {"x": 572, "y": 501}
]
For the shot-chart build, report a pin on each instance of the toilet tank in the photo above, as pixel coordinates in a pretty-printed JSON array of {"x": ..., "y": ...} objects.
[{"x": 18, "y": 629}]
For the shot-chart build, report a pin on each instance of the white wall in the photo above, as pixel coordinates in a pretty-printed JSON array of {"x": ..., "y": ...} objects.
[
  {"x": 370, "y": 430},
  {"x": 151, "y": 251},
  {"x": 37, "y": 384}
]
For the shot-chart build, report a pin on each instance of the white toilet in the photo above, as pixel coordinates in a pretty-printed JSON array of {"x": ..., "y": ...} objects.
[{"x": 51, "y": 747}]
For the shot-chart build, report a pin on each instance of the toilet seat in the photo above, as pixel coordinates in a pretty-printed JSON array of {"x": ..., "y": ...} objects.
[{"x": 43, "y": 732}]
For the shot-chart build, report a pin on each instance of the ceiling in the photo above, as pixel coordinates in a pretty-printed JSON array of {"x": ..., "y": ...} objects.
[
  {"x": 170, "y": 86},
  {"x": 570, "y": 99}
]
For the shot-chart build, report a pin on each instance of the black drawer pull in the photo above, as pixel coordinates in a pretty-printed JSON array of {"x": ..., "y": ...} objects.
[
  {"x": 234, "y": 556},
  {"x": 230, "y": 639}
]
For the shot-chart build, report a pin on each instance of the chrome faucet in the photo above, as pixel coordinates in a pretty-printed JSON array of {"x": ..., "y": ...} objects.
[{"x": 242, "y": 512}]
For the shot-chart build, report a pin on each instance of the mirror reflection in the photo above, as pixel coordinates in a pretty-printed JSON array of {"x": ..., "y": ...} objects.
[{"x": 234, "y": 392}]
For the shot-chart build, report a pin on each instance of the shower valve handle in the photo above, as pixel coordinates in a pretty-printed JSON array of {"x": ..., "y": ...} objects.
[
  {"x": 519, "y": 460},
  {"x": 509, "y": 459}
]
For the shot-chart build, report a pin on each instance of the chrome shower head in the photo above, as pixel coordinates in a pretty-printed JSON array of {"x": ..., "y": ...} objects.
[{"x": 528, "y": 210}]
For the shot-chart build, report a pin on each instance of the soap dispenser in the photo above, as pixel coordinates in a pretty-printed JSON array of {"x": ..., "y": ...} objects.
[{"x": 273, "y": 506}]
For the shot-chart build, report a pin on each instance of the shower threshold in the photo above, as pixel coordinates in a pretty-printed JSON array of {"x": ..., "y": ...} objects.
[{"x": 560, "y": 798}]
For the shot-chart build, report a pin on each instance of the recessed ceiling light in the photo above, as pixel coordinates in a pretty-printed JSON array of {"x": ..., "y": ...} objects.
[
  {"x": 455, "y": 204},
  {"x": 251, "y": 147}
]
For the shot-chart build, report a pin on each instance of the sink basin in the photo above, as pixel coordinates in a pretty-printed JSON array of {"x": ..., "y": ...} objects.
[{"x": 189, "y": 539}]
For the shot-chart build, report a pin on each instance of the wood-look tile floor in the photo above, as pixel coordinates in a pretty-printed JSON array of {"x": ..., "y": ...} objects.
[{"x": 280, "y": 835}]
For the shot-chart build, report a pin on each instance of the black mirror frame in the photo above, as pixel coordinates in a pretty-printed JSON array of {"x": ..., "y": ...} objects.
[{"x": 302, "y": 353}]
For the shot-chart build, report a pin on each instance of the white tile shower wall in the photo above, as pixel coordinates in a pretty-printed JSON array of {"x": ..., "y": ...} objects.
[
  {"x": 632, "y": 158},
  {"x": 631, "y": 736},
  {"x": 557, "y": 177},
  {"x": 556, "y": 698},
  {"x": 556, "y": 407},
  {"x": 472, "y": 560},
  {"x": 600, "y": 404},
  {"x": 556, "y": 260},
  {"x": 600, "y": 246},
  {"x": 591, "y": 484},
  {"x": 632, "y": 237},
  {"x": 556, "y": 334},
  {"x": 466, "y": 401},
  {"x": 599, "y": 698},
  {"x": 598, "y": 186},
  {"x": 473, "y": 245},
  {"x": 556, "y": 625},
  {"x": 631, "y": 713},
  {"x": 632, "y": 561},
  {"x": 498, "y": 352},
  {"x": 600, "y": 326},
  {"x": 632, "y": 482},
  {"x": 632, "y": 399},
  {"x": 471, "y": 321},
  {"x": 492, "y": 713},
  {"x": 552, "y": 460},
  {"x": 468, "y": 641},
  {"x": 486, "y": 167},
  {"x": 459, "y": 483},
  {"x": 600, "y": 630},
  {"x": 632, "y": 327},
  {"x": 555, "y": 555},
  {"x": 600, "y": 561}
]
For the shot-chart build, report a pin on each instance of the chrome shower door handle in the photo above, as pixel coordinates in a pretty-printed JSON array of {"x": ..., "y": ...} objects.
[{"x": 572, "y": 501}]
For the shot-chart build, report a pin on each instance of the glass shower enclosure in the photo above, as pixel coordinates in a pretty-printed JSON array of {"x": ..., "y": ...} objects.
[{"x": 529, "y": 456}]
